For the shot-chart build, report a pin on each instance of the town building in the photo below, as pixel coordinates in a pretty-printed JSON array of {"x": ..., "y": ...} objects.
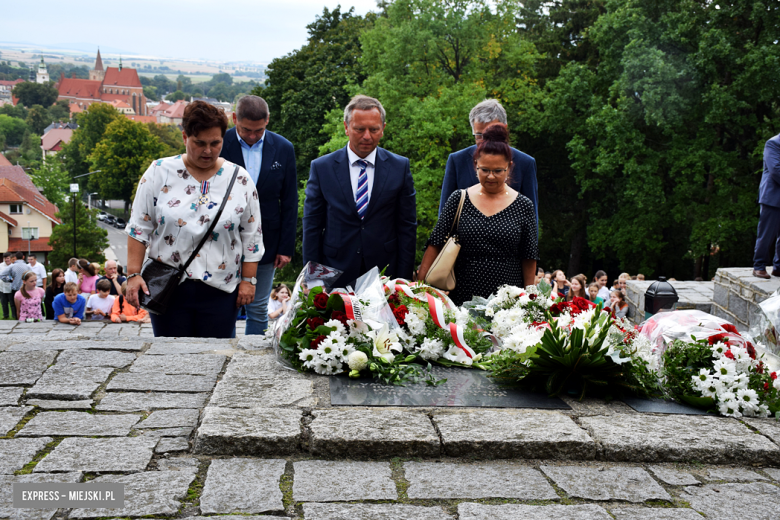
[
  {"x": 53, "y": 140},
  {"x": 174, "y": 114},
  {"x": 43, "y": 74},
  {"x": 105, "y": 85},
  {"x": 27, "y": 218}
]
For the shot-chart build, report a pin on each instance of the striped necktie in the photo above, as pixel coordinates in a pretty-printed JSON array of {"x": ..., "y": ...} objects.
[{"x": 361, "y": 195}]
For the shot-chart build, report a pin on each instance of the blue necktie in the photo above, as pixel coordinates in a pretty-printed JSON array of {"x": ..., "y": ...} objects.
[{"x": 361, "y": 195}]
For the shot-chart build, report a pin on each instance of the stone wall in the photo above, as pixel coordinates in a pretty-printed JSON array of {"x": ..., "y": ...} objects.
[
  {"x": 693, "y": 295},
  {"x": 737, "y": 295}
]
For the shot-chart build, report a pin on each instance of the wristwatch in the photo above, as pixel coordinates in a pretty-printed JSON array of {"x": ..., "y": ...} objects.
[{"x": 251, "y": 280}]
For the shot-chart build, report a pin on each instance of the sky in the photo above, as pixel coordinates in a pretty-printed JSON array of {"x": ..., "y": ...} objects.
[{"x": 226, "y": 30}]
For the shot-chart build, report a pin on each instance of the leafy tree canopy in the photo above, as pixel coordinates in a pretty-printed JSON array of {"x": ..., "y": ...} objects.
[
  {"x": 30, "y": 94},
  {"x": 91, "y": 239}
]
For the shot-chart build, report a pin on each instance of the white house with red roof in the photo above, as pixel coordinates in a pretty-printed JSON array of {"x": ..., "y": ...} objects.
[{"x": 53, "y": 141}]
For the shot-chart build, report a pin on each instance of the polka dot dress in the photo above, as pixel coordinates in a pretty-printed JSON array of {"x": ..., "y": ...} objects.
[{"x": 492, "y": 248}]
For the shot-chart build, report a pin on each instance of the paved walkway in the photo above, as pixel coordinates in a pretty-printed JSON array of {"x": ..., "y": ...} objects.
[{"x": 216, "y": 427}]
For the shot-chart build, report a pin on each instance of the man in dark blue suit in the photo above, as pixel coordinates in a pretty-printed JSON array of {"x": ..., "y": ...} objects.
[
  {"x": 460, "y": 173},
  {"x": 768, "y": 236},
  {"x": 360, "y": 207},
  {"x": 269, "y": 159}
]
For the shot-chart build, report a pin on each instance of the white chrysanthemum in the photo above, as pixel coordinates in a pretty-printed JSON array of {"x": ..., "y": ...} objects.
[
  {"x": 506, "y": 320},
  {"x": 763, "y": 410},
  {"x": 489, "y": 312},
  {"x": 458, "y": 355},
  {"x": 431, "y": 349},
  {"x": 747, "y": 398},
  {"x": 345, "y": 349},
  {"x": 582, "y": 320},
  {"x": 719, "y": 349},
  {"x": 329, "y": 367},
  {"x": 309, "y": 357},
  {"x": 712, "y": 389},
  {"x": 522, "y": 338},
  {"x": 328, "y": 348},
  {"x": 462, "y": 316},
  {"x": 415, "y": 324},
  {"x": 776, "y": 383},
  {"x": 563, "y": 321},
  {"x": 524, "y": 300},
  {"x": 703, "y": 375},
  {"x": 740, "y": 380},
  {"x": 357, "y": 329},
  {"x": 357, "y": 360},
  {"x": 729, "y": 408},
  {"x": 338, "y": 325},
  {"x": 724, "y": 367},
  {"x": 420, "y": 312}
]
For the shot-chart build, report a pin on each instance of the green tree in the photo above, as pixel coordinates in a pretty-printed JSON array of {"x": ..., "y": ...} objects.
[
  {"x": 92, "y": 124},
  {"x": 38, "y": 119},
  {"x": 53, "y": 181},
  {"x": 91, "y": 239},
  {"x": 170, "y": 137},
  {"x": 305, "y": 85},
  {"x": 17, "y": 111},
  {"x": 60, "y": 111},
  {"x": 30, "y": 151},
  {"x": 30, "y": 94},
  {"x": 122, "y": 155},
  {"x": 175, "y": 96},
  {"x": 221, "y": 92},
  {"x": 222, "y": 77},
  {"x": 2, "y": 142},
  {"x": 13, "y": 129},
  {"x": 151, "y": 93}
]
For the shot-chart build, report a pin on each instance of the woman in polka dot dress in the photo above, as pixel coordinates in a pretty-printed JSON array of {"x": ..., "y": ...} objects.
[{"x": 497, "y": 227}]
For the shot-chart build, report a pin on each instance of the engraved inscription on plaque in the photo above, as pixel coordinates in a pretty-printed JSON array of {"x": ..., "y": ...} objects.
[
  {"x": 463, "y": 388},
  {"x": 661, "y": 406}
]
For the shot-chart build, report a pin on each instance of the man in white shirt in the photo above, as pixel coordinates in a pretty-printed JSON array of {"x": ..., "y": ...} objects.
[
  {"x": 6, "y": 295},
  {"x": 39, "y": 270},
  {"x": 72, "y": 272}
]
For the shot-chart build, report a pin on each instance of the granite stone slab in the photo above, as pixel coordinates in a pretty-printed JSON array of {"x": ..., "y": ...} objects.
[
  {"x": 673, "y": 477},
  {"x": 773, "y": 472},
  {"x": 171, "y": 444},
  {"x": 372, "y": 433},
  {"x": 23, "y": 368},
  {"x": 179, "y": 418},
  {"x": 342, "y": 481},
  {"x": 78, "y": 423},
  {"x": 9, "y": 396},
  {"x": 69, "y": 383},
  {"x": 242, "y": 486},
  {"x": 733, "y": 474},
  {"x": 166, "y": 432},
  {"x": 49, "y": 344},
  {"x": 151, "y": 381},
  {"x": 10, "y": 417},
  {"x": 487, "y": 480},
  {"x": 768, "y": 427},
  {"x": 7, "y": 482},
  {"x": 655, "y": 513},
  {"x": 469, "y": 511},
  {"x": 529, "y": 434},
  {"x": 178, "y": 464},
  {"x": 254, "y": 342},
  {"x": 673, "y": 438},
  {"x": 165, "y": 349},
  {"x": 15, "y": 453},
  {"x": 315, "y": 511},
  {"x": 256, "y": 431},
  {"x": 756, "y": 501},
  {"x": 178, "y": 364},
  {"x": 148, "y": 493},
  {"x": 600, "y": 483},
  {"x": 98, "y": 455},
  {"x": 52, "y": 404},
  {"x": 95, "y": 358},
  {"x": 149, "y": 401}
]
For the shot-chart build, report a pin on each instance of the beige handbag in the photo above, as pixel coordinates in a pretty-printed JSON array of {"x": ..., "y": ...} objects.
[{"x": 442, "y": 272}]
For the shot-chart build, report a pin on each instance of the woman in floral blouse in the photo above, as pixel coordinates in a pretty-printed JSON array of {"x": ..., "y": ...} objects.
[{"x": 176, "y": 200}]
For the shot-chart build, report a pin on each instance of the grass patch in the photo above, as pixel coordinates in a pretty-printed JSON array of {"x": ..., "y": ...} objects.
[
  {"x": 32, "y": 413},
  {"x": 28, "y": 468},
  {"x": 192, "y": 498},
  {"x": 286, "y": 486},
  {"x": 399, "y": 477}
]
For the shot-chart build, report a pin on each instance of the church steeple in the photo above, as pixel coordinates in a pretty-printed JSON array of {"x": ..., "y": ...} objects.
[
  {"x": 98, "y": 73},
  {"x": 120, "y": 63},
  {"x": 99, "y": 62},
  {"x": 43, "y": 73}
]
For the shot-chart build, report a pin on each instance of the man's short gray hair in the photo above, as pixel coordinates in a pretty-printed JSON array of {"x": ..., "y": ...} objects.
[
  {"x": 253, "y": 108},
  {"x": 486, "y": 112},
  {"x": 361, "y": 102}
]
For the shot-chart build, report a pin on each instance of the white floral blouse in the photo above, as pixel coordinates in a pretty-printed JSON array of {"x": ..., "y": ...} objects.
[{"x": 172, "y": 211}]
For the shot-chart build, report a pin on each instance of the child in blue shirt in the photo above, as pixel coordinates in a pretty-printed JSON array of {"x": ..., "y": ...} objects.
[{"x": 69, "y": 306}]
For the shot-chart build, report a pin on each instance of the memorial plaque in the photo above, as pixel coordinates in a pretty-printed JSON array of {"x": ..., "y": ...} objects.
[
  {"x": 661, "y": 406},
  {"x": 463, "y": 388}
]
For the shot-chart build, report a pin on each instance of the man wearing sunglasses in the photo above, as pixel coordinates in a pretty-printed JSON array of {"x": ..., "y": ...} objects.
[{"x": 460, "y": 173}]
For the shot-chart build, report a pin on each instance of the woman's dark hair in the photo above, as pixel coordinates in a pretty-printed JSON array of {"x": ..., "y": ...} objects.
[
  {"x": 599, "y": 274},
  {"x": 495, "y": 141},
  {"x": 85, "y": 265},
  {"x": 199, "y": 116},
  {"x": 583, "y": 288},
  {"x": 54, "y": 274}
]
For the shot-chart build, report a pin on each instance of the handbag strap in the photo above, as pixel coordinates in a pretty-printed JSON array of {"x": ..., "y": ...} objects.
[
  {"x": 457, "y": 214},
  {"x": 213, "y": 222}
]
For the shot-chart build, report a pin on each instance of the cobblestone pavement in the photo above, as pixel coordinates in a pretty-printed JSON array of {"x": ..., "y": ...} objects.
[{"x": 203, "y": 427}]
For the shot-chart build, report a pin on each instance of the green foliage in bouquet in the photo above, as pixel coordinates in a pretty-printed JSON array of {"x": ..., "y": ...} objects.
[{"x": 682, "y": 361}]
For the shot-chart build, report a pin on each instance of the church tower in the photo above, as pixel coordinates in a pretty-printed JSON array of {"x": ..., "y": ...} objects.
[
  {"x": 43, "y": 73},
  {"x": 98, "y": 73}
]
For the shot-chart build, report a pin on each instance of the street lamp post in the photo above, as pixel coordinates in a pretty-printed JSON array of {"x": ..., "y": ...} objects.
[{"x": 89, "y": 199}]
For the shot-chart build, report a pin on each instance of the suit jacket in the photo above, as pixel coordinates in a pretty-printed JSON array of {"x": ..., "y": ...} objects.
[
  {"x": 277, "y": 188},
  {"x": 333, "y": 233},
  {"x": 769, "y": 189},
  {"x": 460, "y": 174}
]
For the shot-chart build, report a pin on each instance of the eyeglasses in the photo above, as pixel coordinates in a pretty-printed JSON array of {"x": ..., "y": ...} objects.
[
  {"x": 477, "y": 136},
  {"x": 486, "y": 171}
]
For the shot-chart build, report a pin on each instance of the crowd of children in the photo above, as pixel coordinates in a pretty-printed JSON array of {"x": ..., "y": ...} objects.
[{"x": 596, "y": 291}]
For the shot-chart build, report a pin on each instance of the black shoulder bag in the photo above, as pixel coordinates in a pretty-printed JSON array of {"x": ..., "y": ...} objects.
[{"x": 162, "y": 279}]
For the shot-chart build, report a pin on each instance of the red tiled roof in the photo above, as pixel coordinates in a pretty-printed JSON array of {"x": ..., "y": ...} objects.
[
  {"x": 4, "y": 161},
  {"x": 8, "y": 219},
  {"x": 176, "y": 110},
  {"x": 39, "y": 245},
  {"x": 121, "y": 78},
  {"x": 161, "y": 107},
  {"x": 81, "y": 88},
  {"x": 119, "y": 103},
  {"x": 55, "y": 136},
  {"x": 16, "y": 174},
  {"x": 141, "y": 119},
  {"x": 12, "y": 192},
  {"x": 8, "y": 83}
]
